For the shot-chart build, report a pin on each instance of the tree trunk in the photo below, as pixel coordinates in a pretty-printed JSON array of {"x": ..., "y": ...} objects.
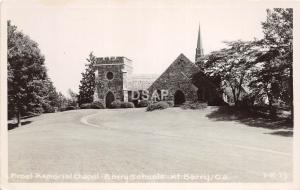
[
  {"x": 292, "y": 91},
  {"x": 272, "y": 109},
  {"x": 291, "y": 80},
  {"x": 239, "y": 89},
  {"x": 234, "y": 96},
  {"x": 19, "y": 118}
]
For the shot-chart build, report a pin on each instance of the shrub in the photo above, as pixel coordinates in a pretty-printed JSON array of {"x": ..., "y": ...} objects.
[
  {"x": 85, "y": 106},
  {"x": 116, "y": 104},
  {"x": 97, "y": 105},
  {"x": 93, "y": 105},
  {"x": 157, "y": 106},
  {"x": 70, "y": 108},
  {"x": 62, "y": 109},
  {"x": 37, "y": 110},
  {"x": 143, "y": 103},
  {"x": 127, "y": 105},
  {"x": 194, "y": 105},
  {"x": 170, "y": 103},
  {"x": 48, "y": 108}
]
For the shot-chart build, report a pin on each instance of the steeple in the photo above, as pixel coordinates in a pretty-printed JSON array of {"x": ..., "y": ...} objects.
[{"x": 199, "y": 49}]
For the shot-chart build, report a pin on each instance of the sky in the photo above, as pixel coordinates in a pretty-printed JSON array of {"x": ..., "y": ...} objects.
[{"x": 151, "y": 33}]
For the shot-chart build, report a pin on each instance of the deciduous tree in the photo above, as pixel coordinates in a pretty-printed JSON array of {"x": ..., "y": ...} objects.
[
  {"x": 26, "y": 74},
  {"x": 274, "y": 78},
  {"x": 73, "y": 98},
  {"x": 233, "y": 65}
]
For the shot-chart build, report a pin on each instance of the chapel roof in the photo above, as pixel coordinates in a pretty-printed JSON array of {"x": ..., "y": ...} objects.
[{"x": 141, "y": 82}]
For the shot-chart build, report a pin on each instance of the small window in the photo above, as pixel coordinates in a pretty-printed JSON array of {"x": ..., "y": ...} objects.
[{"x": 109, "y": 75}]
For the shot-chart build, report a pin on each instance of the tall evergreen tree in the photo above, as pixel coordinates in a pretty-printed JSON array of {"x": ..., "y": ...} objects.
[{"x": 87, "y": 83}]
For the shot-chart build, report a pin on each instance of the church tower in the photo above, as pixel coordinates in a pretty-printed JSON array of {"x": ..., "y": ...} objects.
[
  {"x": 112, "y": 75},
  {"x": 199, "y": 49}
]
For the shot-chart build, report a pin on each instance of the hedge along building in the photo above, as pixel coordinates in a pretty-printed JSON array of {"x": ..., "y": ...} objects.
[{"x": 182, "y": 80}]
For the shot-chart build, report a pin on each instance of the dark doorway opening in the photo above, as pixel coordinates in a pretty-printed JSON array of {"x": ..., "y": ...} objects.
[
  {"x": 109, "y": 99},
  {"x": 179, "y": 98},
  {"x": 201, "y": 94}
]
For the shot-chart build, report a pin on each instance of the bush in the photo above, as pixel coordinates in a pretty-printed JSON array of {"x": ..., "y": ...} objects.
[
  {"x": 85, "y": 106},
  {"x": 157, "y": 106},
  {"x": 116, "y": 104},
  {"x": 127, "y": 105},
  {"x": 93, "y": 105},
  {"x": 62, "y": 109},
  {"x": 37, "y": 110},
  {"x": 194, "y": 105},
  {"x": 48, "y": 108},
  {"x": 70, "y": 108},
  {"x": 143, "y": 103},
  {"x": 170, "y": 103},
  {"x": 97, "y": 105}
]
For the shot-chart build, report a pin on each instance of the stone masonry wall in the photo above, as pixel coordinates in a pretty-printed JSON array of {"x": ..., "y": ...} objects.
[
  {"x": 104, "y": 85},
  {"x": 121, "y": 69},
  {"x": 178, "y": 76}
]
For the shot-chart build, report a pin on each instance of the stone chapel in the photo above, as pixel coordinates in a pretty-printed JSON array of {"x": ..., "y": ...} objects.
[{"x": 183, "y": 80}]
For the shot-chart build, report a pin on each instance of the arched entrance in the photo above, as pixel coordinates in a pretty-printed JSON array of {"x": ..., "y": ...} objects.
[
  {"x": 179, "y": 98},
  {"x": 200, "y": 94},
  {"x": 109, "y": 99}
]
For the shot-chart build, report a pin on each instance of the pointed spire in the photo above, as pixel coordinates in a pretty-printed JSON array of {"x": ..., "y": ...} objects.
[
  {"x": 199, "y": 41},
  {"x": 199, "y": 49}
]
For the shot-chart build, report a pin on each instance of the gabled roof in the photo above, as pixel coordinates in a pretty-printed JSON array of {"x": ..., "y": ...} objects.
[
  {"x": 183, "y": 58},
  {"x": 141, "y": 82},
  {"x": 186, "y": 72}
]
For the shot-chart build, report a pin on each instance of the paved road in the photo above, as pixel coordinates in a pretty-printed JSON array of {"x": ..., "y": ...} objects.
[{"x": 172, "y": 145}]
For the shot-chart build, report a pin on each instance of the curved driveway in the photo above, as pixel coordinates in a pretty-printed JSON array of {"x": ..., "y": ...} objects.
[{"x": 98, "y": 143}]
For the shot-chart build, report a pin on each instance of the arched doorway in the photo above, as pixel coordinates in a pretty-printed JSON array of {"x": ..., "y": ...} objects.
[
  {"x": 109, "y": 99},
  {"x": 200, "y": 94},
  {"x": 179, "y": 98}
]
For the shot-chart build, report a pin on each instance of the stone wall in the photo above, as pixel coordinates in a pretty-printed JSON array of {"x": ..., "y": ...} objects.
[
  {"x": 121, "y": 69},
  {"x": 178, "y": 76},
  {"x": 113, "y": 60},
  {"x": 182, "y": 75}
]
